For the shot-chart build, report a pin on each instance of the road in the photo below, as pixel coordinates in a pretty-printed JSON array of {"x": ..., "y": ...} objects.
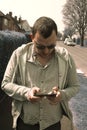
[
  {"x": 78, "y": 104},
  {"x": 80, "y": 56}
]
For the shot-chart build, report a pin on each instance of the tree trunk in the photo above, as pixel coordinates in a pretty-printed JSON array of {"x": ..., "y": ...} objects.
[{"x": 82, "y": 39}]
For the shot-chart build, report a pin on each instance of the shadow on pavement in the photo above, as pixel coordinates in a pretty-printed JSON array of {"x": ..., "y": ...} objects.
[{"x": 78, "y": 105}]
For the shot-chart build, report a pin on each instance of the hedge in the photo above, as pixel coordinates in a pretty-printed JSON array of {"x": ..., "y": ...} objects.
[{"x": 9, "y": 41}]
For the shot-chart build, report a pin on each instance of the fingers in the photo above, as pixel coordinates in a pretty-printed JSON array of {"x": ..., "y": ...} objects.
[
  {"x": 55, "y": 89},
  {"x": 55, "y": 100},
  {"x": 31, "y": 93},
  {"x": 34, "y": 90}
]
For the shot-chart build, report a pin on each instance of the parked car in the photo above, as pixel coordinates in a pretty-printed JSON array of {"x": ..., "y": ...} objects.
[{"x": 69, "y": 42}]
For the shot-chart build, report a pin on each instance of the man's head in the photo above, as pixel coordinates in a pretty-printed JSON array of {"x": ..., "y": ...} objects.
[
  {"x": 44, "y": 36},
  {"x": 45, "y": 26}
]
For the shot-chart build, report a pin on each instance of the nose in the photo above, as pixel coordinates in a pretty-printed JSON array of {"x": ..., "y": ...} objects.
[{"x": 46, "y": 50}]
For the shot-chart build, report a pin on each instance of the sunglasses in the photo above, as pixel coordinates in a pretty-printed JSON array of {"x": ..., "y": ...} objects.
[{"x": 42, "y": 47}]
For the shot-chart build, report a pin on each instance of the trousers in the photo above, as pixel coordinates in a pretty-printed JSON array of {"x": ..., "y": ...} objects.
[{"x": 22, "y": 126}]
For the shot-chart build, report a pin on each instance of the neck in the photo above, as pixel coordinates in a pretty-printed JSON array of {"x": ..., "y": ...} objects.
[{"x": 44, "y": 60}]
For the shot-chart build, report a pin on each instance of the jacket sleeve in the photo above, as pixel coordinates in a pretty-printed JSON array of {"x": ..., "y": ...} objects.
[
  {"x": 9, "y": 86},
  {"x": 71, "y": 87}
]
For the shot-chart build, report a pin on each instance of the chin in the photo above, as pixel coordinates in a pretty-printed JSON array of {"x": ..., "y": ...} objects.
[{"x": 46, "y": 55}]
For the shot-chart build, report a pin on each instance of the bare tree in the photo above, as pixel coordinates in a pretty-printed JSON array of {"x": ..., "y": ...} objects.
[
  {"x": 75, "y": 16},
  {"x": 68, "y": 31}
]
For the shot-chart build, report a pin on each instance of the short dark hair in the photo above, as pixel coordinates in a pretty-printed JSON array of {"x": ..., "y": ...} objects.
[{"x": 45, "y": 26}]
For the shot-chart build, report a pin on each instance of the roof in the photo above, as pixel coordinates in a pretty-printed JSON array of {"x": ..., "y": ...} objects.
[
  {"x": 1, "y": 14},
  {"x": 24, "y": 25}
]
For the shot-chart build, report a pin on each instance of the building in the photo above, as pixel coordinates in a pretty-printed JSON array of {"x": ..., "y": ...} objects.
[{"x": 8, "y": 22}]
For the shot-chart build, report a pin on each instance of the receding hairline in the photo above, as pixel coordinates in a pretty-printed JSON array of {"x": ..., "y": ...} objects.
[{"x": 45, "y": 26}]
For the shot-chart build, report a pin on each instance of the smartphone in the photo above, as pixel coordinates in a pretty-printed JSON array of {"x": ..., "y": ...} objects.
[{"x": 45, "y": 94}]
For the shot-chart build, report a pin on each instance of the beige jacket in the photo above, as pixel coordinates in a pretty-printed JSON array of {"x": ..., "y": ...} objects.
[{"x": 15, "y": 86}]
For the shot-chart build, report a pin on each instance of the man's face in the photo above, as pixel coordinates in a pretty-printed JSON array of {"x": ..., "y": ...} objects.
[{"x": 44, "y": 46}]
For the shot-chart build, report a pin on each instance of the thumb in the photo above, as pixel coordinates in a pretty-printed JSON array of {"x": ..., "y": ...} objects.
[{"x": 55, "y": 88}]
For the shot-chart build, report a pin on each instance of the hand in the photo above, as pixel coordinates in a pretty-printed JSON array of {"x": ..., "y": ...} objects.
[
  {"x": 30, "y": 94},
  {"x": 55, "y": 100}
]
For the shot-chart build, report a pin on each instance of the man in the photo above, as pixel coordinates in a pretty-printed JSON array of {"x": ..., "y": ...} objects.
[{"x": 38, "y": 68}]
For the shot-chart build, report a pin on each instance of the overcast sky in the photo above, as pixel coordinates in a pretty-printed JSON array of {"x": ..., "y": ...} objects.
[{"x": 30, "y": 10}]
